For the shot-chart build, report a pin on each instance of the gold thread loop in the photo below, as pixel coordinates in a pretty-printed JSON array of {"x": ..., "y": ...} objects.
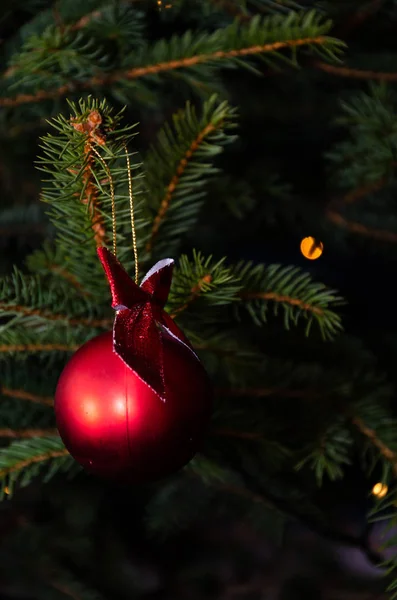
[
  {"x": 112, "y": 195},
  {"x": 131, "y": 197}
]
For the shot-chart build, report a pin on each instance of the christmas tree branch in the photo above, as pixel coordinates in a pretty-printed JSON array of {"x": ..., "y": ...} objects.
[
  {"x": 86, "y": 161},
  {"x": 359, "y": 17},
  {"x": 86, "y": 20},
  {"x": 252, "y": 295},
  {"x": 233, "y": 43},
  {"x": 22, "y": 464},
  {"x": 288, "y": 289},
  {"x": 180, "y": 169},
  {"x": 24, "y": 459},
  {"x": 355, "y": 73},
  {"x": 26, "y": 348},
  {"x": 138, "y": 72},
  {"x": 202, "y": 278},
  {"x": 90, "y": 196},
  {"x": 195, "y": 293},
  {"x": 322, "y": 529},
  {"x": 23, "y": 395},
  {"x": 231, "y": 9},
  {"x": 386, "y": 452},
  {"x": 376, "y": 234},
  {"x": 26, "y": 433},
  {"x": 59, "y": 270},
  {"x": 242, "y": 435},
  {"x": 65, "y": 591},
  {"x": 266, "y": 392},
  {"x": 364, "y": 190},
  {"x": 44, "y": 314}
]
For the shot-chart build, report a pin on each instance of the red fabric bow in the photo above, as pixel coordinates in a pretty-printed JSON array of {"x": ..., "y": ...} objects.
[{"x": 141, "y": 320}]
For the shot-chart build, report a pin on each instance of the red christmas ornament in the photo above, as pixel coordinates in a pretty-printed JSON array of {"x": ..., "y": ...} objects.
[{"x": 133, "y": 405}]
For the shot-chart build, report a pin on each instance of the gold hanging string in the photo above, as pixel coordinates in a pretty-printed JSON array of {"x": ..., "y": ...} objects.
[
  {"x": 131, "y": 197},
  {"x": 112, "y": 195}
]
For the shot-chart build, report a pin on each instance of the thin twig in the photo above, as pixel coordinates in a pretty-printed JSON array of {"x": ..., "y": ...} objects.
[
  {"x": 388, "y": 454},
  {"x": 376, "y": 234},
  {"x": 322, "y": 529},
  {"x": 59, "y": 270},
  {"x": 44, "y": 314},
  {"x": 232, "y": 9},
  {"x": 138, "y": 72},
  {"x": 37, "y": 348},
  {"x": 175, "y": 180},
  {"x": 359, "y": 18},
  {"x": 365, "y": 190},
  {"x": 64, "y": 590},
  {"x": 22, "y": 395},
  {"x": 355, "y": 73},
  {"x": 91, "y": 128},
  {"x": 280, "y": 298},
  {"x": 266, "y": 392},
  {"x": 35, "y": 459},
  {"x": 27, "y": 433},
  {"x": 195, "y": 293}
]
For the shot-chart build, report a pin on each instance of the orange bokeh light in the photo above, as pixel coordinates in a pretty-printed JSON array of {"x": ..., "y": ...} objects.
[{"x": 311, "y": 248}]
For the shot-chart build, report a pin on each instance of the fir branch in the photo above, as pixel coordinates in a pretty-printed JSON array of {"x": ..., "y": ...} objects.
[
  {"x": 15, "y": 309},
  {"x": 270, "y": 500},
  {"x": 65, "y": 582},
  {"x": 23, "y": 395},
  {"x": 292, "y": 290},
  {"x": 23, "y": 459},
  {"x": 371, "y": 434},
  {"x": 26, "y": 433},
  {"x": 330, "y": 454},
  {"x": 59, "y": 270},
  {"x": 285, "y": 299},
  {"x": 65, "y": 161},
  {"x": 51, "y": 259},
  {"x": 203, "y": 279},
  {"x": 265, "y": 37},
  {"x": 178, "y": 166},
  {"x": 366, "y": 155},
  {"x": 241, "y": 435},
  {"x": 359, "y": 17},
  {"x": 232, "y": 9},
  {"x": 21, "y": 339},
  {"x": 365, "y": 190},
  {"x": 28, "y": 296},
  {"x": 195, "y": 292},
  {"x": 85, "y": 20},
  {"x": 91, "y": 128},
  {"x": 380, "y": 235},
  {"x": 32, "y": 348},
  {"x": 355, "y": 73},
  {"x": 265, "y": 392}
]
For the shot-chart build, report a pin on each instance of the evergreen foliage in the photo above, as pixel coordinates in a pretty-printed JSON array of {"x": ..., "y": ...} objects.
[{"x": 297, "y": 399}]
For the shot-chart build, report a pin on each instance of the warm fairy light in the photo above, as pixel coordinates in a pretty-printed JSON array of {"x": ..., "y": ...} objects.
[
  {"x": 160, "y": 5},
  {"x": 311, "y": 248},
  {"x": 380, "y": 490},
  {"x": 6, "y": 489}
]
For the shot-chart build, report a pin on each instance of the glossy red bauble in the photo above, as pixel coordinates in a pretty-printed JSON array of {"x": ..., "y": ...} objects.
[{"x": 117, "y": 427}]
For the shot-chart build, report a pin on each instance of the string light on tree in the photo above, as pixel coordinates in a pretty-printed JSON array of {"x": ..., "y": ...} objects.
[
  {"x": 380, "y": 490},
  {"x": 161, "y": 5},
  {"x": 311, "y": 248}
]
